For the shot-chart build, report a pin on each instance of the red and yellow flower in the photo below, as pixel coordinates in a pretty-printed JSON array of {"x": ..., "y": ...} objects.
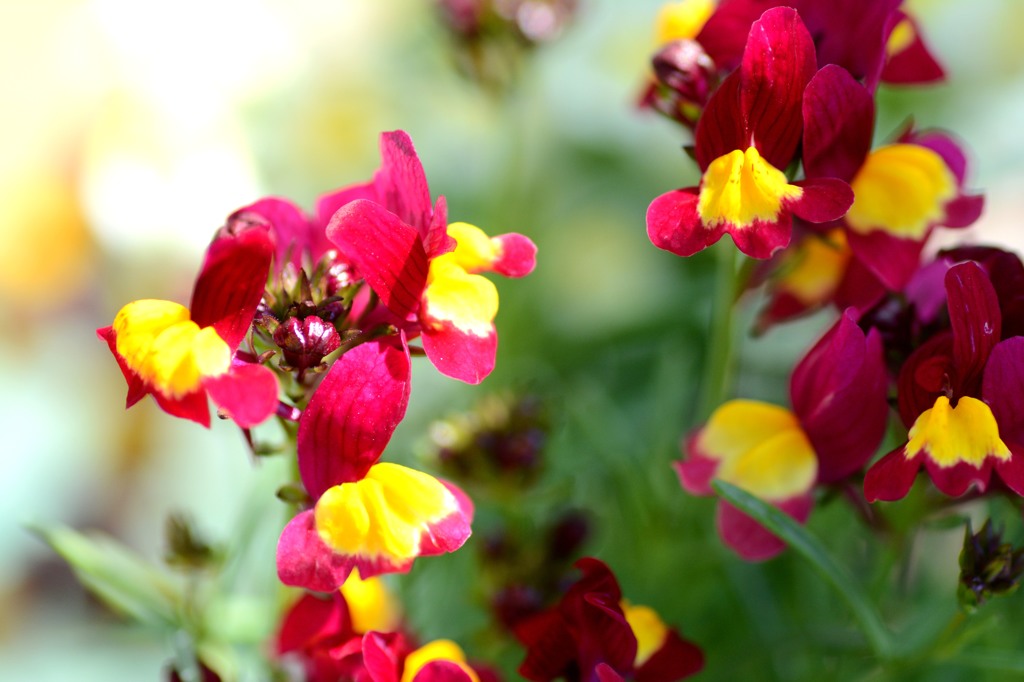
[{"x": 182, "y": 355}]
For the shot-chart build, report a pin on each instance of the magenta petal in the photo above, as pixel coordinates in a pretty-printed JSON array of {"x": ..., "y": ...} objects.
[
  {"x": 1012, "y": 471},
  {"x": 328, "y": 204},
  {"x": 303, "y": 560},
  {"x": 839, "y": 119},
  {"x": 312, "y": 619},
  {"x": 778, "y": 62},
  {"x": 400, "y": 182},
  {"x": 963, "y": 211},
  {"x": 192, "y": 406},
  {"x": 676, "y": 659},
  {"x": 838, "y": 392},
  {"x": 1003, "y": 387},
  {"x": 247, "y": 393},
  {"x": 352, "y": 415},
  {"x": 451, "y": 532},
  {"x": 518, "y": 255},
  {"x": 293, "y": 233},
  {"x": 762, "y": 239},
  {"x": 386, "y": 250},
  {"x": 914, "y": 64},
  {"x": 381, "y": 654},
  {"x": 231, "y": 283},
  {"x": 721, "y": 127},
  {"x": 441, "y": 671},
  {"x": 891, "y": 477},
  {"x": 460, "y": 355},
  {"x": 437, "y": 239},
  {"x": 976, "y": 321},
  {"x": 958, "y": 479},
  {"x": 137, "y": 389},
  {"x": 823, "y": 200},
  {"x": 751, "y": 540},
  {"x": 696, "y": 471},
  {"x": 893, "y": 260},
  {"x": 674, "y": 225}
]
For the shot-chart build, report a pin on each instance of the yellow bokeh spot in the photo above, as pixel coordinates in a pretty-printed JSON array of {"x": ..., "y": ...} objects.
[
  {"x": 740, "y": 188},
  {"x": 682, "y": 20},
  {"x": 901, "y": 189},
  {"x": 469, "y": 302},
  {"x": 370, "y": 605},
  {"x": 949, "y": 435},
  {"x": 648, "y": 628},
  {"x": 762, "y": 449},
  {"x": 438, "y": 650},
  {"x": 475, "y": 251},
  {"x": 384, "y": 514},
  {"x": 811, "y": 271},
  {"x": 160, "y": 343},
  {"x": 901, "y": 38}
]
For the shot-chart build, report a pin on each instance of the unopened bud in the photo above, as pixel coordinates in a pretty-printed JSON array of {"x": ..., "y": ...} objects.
[
  {"x": 988, "y": 566},
  {"x": 305, "y": 342}
]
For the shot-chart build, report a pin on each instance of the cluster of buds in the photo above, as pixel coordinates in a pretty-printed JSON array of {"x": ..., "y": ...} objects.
[
  {"x": 491, "y": 36},
  {"x": 772, "y": 91},
  {"x": 988, "y": 566}
]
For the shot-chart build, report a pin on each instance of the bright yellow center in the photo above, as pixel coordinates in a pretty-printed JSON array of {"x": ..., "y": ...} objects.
[
  {"x": 648, "y": 628},
  {"x": 475, "y": 251},
  {"x": 384, "y": 514},
  {"x": 901, "y": 189},
  {"x": 901, "y": 37},
  {"x": 469, "y": 302},
  {"x": 950, "y": 435},
  {"x": 812, "y": 270},
  {"x": 370, "y": 605},
  {"x": 438, "y": 650},
  {"x": 740, "y": 188},
  {"x": 161, "y": 344},
  {"x": 762, "y": 449},
  {"x": 682, "y": 20}
]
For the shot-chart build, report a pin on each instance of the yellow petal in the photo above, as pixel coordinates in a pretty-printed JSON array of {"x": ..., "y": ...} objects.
[
  {"x": 949, "y": 435},
  {"x": 474, "y": 251},
  {"x": 741, "y": 188},
  {"x": 901, "y": 189},
  {"x": 470, "y": 302},
  {"x": 371, "y": 606},
  {"x": 812, "y": 270},
  {"x": 682, "y": 20},
  {"x": 648, "y": 628},
  {"x": 438, "y": 650}
]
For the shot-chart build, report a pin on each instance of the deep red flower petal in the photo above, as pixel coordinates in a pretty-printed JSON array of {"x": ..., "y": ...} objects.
[
  {"x": 823, "y": 200},
  {"x": 458, "y": 354},
  {"x": 401, "y": 183},
  {"x": 676, "y": 659},
  {"x": 976, "y": 321},
  {"x": 328, "y": 204},
  {"x": 839, "y": 120},
  {"x": 778, "y": 62},
  {"x": 761, "y": 239},
  {"x": 136, "y": 386},
  {"x": 247, "y": 393},
  {"x": 891, "y": 259},
  {"x": 721, "y": 127},
  {"x": 192, "y": 406},
  {"x": 437, "y": 239},
  {"x": 442, "y": 671},
  {"x": 1003, "y": 388},
  {"x": 751, "y": 540},
  {"x": 913, "y": 64},
  {"x": 1012, "y": 471},
  {"x": 293, "y": 232},
  {"x": 923, "y": 376},
  {"x": 958, "y": 479},
  {"x": 891, "y": 477},
  {"x": 231, "y": 283},
  {"x": 303, "y": 560},
  {"x": 851, "y": 33},
  {"x": 387, "y": 251},
  {"x": 352, "y": 415},
  {"x": 838, "y": 392},
  {"x": 382, "y": 652},
  {"x": 674, "y": 225},
  {"x": 312, "y": 619},
  {"x": 550, "y": 648}
]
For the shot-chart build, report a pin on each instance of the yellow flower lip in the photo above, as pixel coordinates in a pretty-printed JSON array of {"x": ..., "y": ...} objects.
[
  {"x": 741, "y": 188},
  {"x": 437, "y": 650},
  {"x": 158, "y": 341},
  {"x": 950, "y": 434},
  {"x": 901, "y": 189}
]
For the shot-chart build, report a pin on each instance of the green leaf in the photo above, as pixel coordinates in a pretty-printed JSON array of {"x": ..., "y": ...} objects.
[
  {"x": 1004, "y": 661},
  {"x": 117, "y": 575},
  {"x": 810, "y": 548}
]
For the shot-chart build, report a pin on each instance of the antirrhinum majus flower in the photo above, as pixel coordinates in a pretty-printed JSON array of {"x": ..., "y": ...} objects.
[
  {"x": 746, "y": 137},
  {"x": 594, "y": 634},
  {"x": 424, "y": 270},
  {"x": 837, "y": 420},
  {"x": 961, "y": 394},
  {"x": 182, "y": 355},
  {"x": 373, "y": 516}
]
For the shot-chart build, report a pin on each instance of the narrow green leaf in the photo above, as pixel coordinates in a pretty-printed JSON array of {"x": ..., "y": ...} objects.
[
  {"x": 810, "y": 548},
  {"x": 117, "y": 575}
]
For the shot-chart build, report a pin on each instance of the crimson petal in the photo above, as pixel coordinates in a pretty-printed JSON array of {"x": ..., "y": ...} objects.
[
  {"x": 387, "y": 251},
  {"x": 751, "y": 540},
  {"x": 839, "y": 119},
  {"x": 352, "y": 415},
  {"x": 247, "y": 393},
  {"x": 674, "y": 225},
  {"x": 1003, "y": 387},
  {"x": 976, "y": 321},
  {"x": 400, "y": 182},
  {"x": 460, "y": 355},
  {"x": 823, "y": 200},
  {"x": 303, "y": 560},
  {"x": 892, "y": 259},
  {"x": 913, "y": 64},
  {"x": 891, "y": 477}
]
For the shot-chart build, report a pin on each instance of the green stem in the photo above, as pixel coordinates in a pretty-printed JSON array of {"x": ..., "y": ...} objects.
[{"x": 718, "y": 367}]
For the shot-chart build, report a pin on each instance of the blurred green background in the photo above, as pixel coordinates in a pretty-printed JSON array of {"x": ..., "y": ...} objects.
[{"x": 129, "y": 131}]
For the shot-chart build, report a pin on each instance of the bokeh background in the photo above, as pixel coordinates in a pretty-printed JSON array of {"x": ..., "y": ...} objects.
[{"x": 130, "y": 130}]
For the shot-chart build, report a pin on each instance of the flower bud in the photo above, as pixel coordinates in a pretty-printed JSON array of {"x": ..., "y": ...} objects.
[
  {"x": 304, "y": 342},
  {"x": 988, "y": 566},
  {"x": 685, "y": 76}
]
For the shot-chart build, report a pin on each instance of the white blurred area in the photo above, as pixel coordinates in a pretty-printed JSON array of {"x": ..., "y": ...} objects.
[{"x": 129, "y": 130}]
